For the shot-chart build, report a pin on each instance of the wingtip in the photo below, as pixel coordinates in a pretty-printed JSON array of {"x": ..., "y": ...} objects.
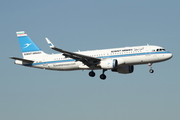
[{"x": 49, "y": 43}]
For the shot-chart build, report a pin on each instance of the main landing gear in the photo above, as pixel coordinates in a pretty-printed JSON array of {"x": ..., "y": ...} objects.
[
  {"x": 92, "y": 73},
  {"x": 102, "y": 76},
  {"x": 151, "y": 70}
]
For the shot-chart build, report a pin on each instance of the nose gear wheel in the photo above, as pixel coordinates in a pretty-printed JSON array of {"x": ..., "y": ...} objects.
[{"x": 151, "y": 70}]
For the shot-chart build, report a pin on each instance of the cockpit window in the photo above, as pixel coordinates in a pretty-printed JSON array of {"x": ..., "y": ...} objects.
[{"x": 161, "y": 49}]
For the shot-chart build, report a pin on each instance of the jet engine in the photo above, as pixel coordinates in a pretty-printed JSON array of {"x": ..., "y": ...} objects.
[
  {"x": 109, "y": 64},
  {"x": 124, "y": 69}
]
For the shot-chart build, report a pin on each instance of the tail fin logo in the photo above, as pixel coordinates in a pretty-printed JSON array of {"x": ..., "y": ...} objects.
[{"x": 27, "y": 45}]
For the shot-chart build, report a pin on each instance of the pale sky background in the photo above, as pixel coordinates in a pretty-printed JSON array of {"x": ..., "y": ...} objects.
[{"x": 35, "y": 94}]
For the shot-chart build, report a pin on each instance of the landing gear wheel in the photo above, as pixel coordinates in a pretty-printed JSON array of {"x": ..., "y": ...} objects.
[
  {"x": 103, "y": 76},
  {"x": 92, "y": 74},
  {"x": 151, "y": 70}
]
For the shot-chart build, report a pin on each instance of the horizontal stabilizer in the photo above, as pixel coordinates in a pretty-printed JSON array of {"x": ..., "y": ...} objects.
[{"x": 21, "y": 59}]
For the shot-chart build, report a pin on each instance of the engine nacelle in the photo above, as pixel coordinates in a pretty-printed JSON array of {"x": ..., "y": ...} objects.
[
  {"x": 109, "y": 64},
  {"x": 124, "y": 69}
]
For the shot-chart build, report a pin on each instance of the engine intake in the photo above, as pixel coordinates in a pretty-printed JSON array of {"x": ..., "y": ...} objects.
[{"x": 109, "y": 64}]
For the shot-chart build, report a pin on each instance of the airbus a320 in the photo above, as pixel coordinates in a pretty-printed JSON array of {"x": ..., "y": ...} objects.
[{"x": 120, "y": 60}]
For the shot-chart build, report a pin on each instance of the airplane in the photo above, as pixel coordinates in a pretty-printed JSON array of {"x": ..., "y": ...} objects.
[{"x": 120, "y": 60}]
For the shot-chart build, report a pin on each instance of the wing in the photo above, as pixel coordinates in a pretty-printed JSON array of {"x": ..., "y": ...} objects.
[{"x": 88, "y": 60}]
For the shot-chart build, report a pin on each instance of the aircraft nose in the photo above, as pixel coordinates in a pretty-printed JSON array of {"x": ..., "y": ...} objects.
[{"x": 169, "y": 55}]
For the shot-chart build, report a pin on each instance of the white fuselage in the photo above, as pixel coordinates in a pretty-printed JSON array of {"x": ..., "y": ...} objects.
[{"x": 129, "y": 56}]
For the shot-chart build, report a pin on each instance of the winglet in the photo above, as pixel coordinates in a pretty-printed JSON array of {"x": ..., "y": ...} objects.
[{"x": 49, "y": 43}]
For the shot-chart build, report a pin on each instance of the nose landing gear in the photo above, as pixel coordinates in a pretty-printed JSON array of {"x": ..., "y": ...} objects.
[{"x": 151, "y": 70}]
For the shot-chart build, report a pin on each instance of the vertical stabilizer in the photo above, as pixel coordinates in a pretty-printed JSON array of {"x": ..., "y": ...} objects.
[{"x": 28, "y": 47}]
